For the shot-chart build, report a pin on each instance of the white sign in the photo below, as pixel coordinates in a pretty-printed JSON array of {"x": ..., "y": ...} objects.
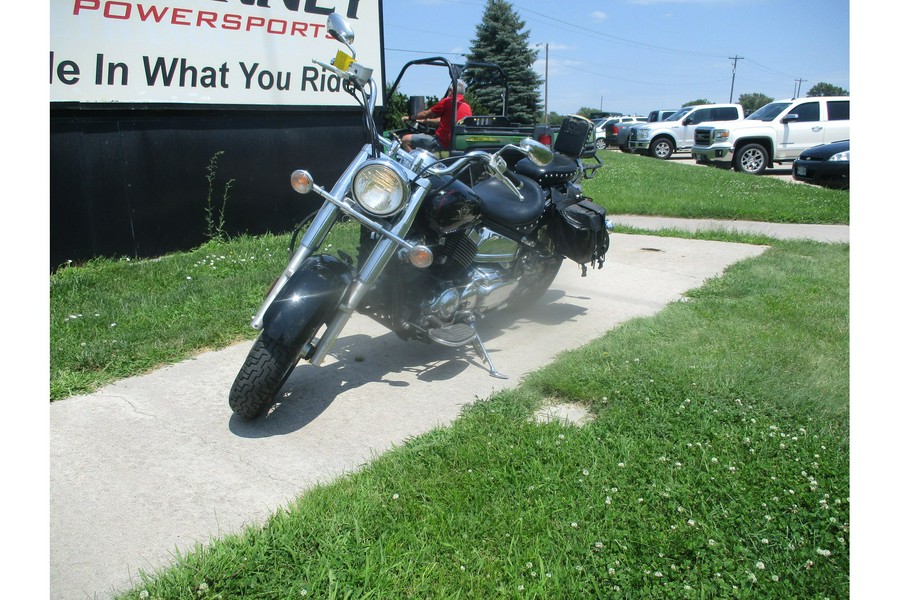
[{"x": 254, "y": 52}]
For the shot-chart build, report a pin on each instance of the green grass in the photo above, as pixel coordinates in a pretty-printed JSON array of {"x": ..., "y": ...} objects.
[
  {"x": 632, "y": 184},
  {"x": 717, "y": 467},
  {"x": 116, "y": 318}
]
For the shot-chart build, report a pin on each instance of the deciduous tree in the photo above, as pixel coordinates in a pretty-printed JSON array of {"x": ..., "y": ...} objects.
[
  {"x": 752, "y": 102},
  {"x": 827, "y": 89}
]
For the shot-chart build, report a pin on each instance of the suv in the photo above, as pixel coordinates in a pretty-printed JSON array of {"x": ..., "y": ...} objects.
[
  {"x": 676, "y": 133},
  {"x": 776, "y": 133}
]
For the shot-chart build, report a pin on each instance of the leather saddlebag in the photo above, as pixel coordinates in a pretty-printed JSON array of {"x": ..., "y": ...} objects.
[{"x": 578, "y": 230}]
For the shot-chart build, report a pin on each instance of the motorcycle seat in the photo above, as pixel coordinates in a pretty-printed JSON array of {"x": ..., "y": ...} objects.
[
  {"x": 561, "y": 169},
  {"x": 500, "y": 205}
]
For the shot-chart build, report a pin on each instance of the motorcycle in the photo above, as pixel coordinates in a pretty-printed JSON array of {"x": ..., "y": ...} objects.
[{"x": 443, "y": 242}]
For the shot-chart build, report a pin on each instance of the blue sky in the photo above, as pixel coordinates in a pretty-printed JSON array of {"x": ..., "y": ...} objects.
[{"x": 633, "y": 56}]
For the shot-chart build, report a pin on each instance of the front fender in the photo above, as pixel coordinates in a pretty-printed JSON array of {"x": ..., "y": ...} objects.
[{"x": 307, "y": 300}]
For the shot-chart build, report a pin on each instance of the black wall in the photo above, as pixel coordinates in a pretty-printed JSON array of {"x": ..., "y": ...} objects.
[{"x": 133, "y": 181}]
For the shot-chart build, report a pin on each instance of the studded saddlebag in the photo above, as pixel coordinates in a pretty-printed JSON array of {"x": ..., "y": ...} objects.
[{"x": 578, "y": 229}]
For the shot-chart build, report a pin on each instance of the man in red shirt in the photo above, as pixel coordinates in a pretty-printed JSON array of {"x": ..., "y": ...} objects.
[{"x": 444, "y": 110}]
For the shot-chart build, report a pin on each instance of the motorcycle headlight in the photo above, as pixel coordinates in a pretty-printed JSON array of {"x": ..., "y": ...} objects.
[{"x": 380, "y": 188}]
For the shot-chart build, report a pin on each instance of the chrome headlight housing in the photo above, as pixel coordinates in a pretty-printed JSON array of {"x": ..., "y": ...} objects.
[
  {"x": 643, "y": 134},
  {"x": 380, "y": 188},
  {"x": 721, "y": 135}
]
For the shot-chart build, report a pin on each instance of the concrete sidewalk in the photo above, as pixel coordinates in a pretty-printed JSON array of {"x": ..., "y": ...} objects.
[
  {"x": 157, "y": 462},
  {"x": 782, "y": 231}
]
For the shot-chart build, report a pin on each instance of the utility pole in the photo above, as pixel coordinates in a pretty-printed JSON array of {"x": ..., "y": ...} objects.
[
  {"x": 733, "y": 60},
  {"x": 798, "y": 82},
  {"x": 546, "y": 79}
]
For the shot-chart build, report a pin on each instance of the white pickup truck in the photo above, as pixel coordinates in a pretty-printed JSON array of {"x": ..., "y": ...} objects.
[
  {"x": 676, "y": 132},
  {"x": 776, "y": 133}
]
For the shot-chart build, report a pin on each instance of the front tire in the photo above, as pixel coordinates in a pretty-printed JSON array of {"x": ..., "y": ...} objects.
[
  {"x": 662, "y": 149},
  {"x": 266, "y": 368},
  {"x": 751, "y": 159}
]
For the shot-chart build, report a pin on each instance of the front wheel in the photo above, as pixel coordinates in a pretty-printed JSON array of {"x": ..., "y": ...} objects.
[
  {"x": 266, "y": 368},
  {"x": 751, "y": 159},
  {"x": 661, "y": 148}
]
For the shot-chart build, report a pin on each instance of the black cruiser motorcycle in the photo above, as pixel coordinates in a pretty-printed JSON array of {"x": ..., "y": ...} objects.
[{"x": 443, "y": 242}]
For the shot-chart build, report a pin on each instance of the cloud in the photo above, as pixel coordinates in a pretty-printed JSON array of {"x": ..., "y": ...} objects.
[{"x": 598, "y": 16}]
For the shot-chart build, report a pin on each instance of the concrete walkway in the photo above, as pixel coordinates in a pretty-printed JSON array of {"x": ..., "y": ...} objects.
[
  {"x": 157, "y": 462},
  {"x": 783, "y": 231}
]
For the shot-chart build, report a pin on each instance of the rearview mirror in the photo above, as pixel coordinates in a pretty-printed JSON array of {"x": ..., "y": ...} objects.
[
  {"x": 537, "y": 152},
  {"x": 340, "y": 29}
]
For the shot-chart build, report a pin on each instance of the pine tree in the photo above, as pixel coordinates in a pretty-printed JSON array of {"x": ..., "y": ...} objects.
[{"x": 499, "y": 39}]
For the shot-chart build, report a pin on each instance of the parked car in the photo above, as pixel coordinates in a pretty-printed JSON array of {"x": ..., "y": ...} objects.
[
  {"x": 599, "y": 132},
  {"x": 827, "y": 165},
  {"x": 612, "y": 126}
]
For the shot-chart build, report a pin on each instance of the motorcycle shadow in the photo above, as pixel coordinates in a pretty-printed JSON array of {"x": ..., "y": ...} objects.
[{"x": 361, "y": 359}]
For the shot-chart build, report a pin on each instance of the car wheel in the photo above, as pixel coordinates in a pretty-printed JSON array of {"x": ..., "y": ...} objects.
[
  {"x": 751, "y": 159},
  {"x": 661, "y": 148},
  {"x": 601, "y": 144}
]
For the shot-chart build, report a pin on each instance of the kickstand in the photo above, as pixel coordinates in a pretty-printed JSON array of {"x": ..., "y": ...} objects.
[{"x": 483, "y": 353}]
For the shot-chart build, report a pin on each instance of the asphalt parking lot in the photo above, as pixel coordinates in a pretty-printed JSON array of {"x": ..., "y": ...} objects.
[{"x": 782, "y": 171}]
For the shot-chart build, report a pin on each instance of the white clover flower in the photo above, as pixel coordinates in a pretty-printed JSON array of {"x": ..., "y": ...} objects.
[
  {"x": 775, "y": 578},
  {"x": 760, "y": 565},
  {"x": 585, "y": 472},
  {"x": 765, "y": 541},
  {"x": 752, "y": 578},
  {"x": 395, "y": 496},
  {"x": 621, "y": 465},
  {"x": 710, "y": 542},
  {"x": 574, "y": 525},
  {"x": 691, "y": 522},
  {"x": 611, "y": 571},
  {"x": 608, "y": 500},
  {"x": 144, "y": 594},
  {"x": 822, "y": 552}
]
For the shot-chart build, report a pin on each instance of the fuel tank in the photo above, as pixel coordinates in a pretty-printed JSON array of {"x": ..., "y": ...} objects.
[{"x": 452, "y": 206}]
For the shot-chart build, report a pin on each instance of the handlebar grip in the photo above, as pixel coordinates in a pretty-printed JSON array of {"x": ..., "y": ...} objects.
[{"x": 333, "y": 69}]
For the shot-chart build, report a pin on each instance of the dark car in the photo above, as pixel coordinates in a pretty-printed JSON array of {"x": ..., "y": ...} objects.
[
  {"x": 826, "y": 165},
  {"x": 613, "y": 125}
]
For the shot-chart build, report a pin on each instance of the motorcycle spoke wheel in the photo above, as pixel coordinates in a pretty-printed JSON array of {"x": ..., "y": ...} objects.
[{"x": 266, "y": 368}]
